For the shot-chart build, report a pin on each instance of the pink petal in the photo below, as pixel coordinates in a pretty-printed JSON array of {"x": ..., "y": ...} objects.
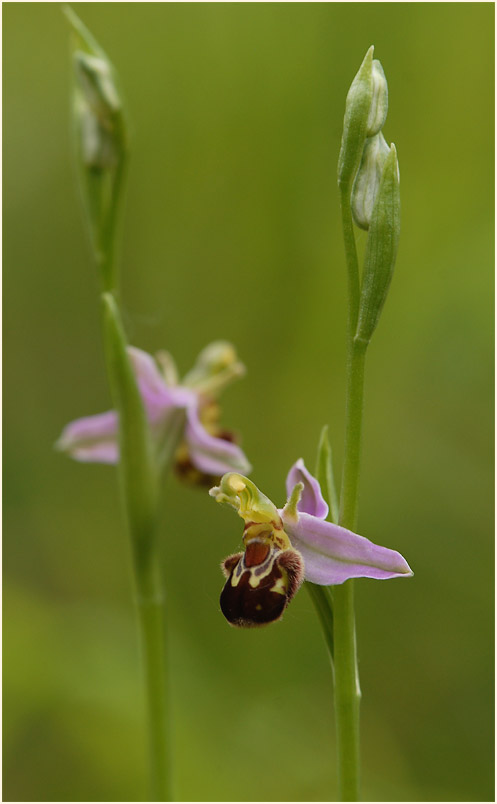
[
  {"x": 211, "y": 455},
  {"x": 157, "y": 397},
  {"x": 311, "y": 500},
  {"x": 91, "y": 439},
  {"x": 333, "y": 554}
]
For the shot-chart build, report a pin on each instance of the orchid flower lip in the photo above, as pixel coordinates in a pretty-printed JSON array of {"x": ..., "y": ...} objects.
[{"x": 95, "y": 438}]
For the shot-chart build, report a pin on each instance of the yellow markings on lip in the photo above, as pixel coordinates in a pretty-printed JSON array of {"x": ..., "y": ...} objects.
[
  {"x": 255, "y": 580},
  {"x": 281, "y": 584}
]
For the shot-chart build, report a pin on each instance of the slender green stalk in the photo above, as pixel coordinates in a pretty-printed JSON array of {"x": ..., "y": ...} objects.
[
  {"x": 353, "y": 433},
  {"x": 150, "y": 600},
  {"x": 106, "y": 255},
  {"x": 139, "y": 480},
  {"x": 347, "y": 690}
]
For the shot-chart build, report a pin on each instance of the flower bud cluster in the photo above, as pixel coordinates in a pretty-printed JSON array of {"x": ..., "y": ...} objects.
[
  {"x": 375, "y": 150},
  {"x": 368, "y": 175}
]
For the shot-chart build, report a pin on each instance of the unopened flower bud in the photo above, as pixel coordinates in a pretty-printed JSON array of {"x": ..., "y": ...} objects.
[
  {"x": 98, "y": 111},
  {"x": 97, "y": 145},
  {"x": 97, "y": 84},
  {"x": 379, "y": 102},
  {"x": 381, "y": 249},
  {"x": 355, "y": 121},
  {"x": 368, "y": 179},
  {"x": 101, "y": 142}
]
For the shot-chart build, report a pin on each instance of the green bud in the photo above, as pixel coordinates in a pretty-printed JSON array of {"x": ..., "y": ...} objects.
[
  {"x": 379, "y": 102},
  {"x": 101, "y": 142},
  {"x": 355, "y": 121},
  {"x": 96, "y": 82},
  {"x": 98, "y": 109},
  {"x": 368, "y": 179},
  {"x": 381, "y": 249}
]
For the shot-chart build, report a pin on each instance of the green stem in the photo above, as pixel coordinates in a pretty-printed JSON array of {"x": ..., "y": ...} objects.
[
  {"x": 353, "y": 434},
  {"x": 347, "y": 690},
  {"x": 106, "y": 261},
  {"x": 150, "y": 600},
  {"x": 139, "y": 481}
]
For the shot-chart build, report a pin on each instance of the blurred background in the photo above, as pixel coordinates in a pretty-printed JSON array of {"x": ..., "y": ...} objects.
[{"x": 232, "y": 231}]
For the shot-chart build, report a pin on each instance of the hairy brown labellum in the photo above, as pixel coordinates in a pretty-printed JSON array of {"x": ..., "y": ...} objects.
[{"x": 260, "y": 584}]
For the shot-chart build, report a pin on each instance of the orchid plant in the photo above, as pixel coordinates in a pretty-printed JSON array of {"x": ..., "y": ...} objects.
[
  {"x": 282, "y": 547},
  {"x": 157, "y": 423},
  {"x": 160, "y": 423}
]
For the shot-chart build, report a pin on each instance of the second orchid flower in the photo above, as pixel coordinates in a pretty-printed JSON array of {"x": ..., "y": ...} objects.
[{"x": 183, "y": 417}]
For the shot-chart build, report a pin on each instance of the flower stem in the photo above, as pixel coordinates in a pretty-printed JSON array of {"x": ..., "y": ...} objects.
[
  {"x": 353, "y": 435},
  {"x": 106, "y": 235},
  {"x": 152, "y": 622},
  {"x": 347, "y": 690},
  {"x": 139, "y": 481}
]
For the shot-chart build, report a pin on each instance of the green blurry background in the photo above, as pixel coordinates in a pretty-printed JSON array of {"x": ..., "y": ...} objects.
[{"x": 232, "y": 231}]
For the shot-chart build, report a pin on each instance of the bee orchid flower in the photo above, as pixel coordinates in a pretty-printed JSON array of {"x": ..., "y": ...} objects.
[
  {"x": 186, "y": 414},
  {"x": 285, "y": 546}
]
